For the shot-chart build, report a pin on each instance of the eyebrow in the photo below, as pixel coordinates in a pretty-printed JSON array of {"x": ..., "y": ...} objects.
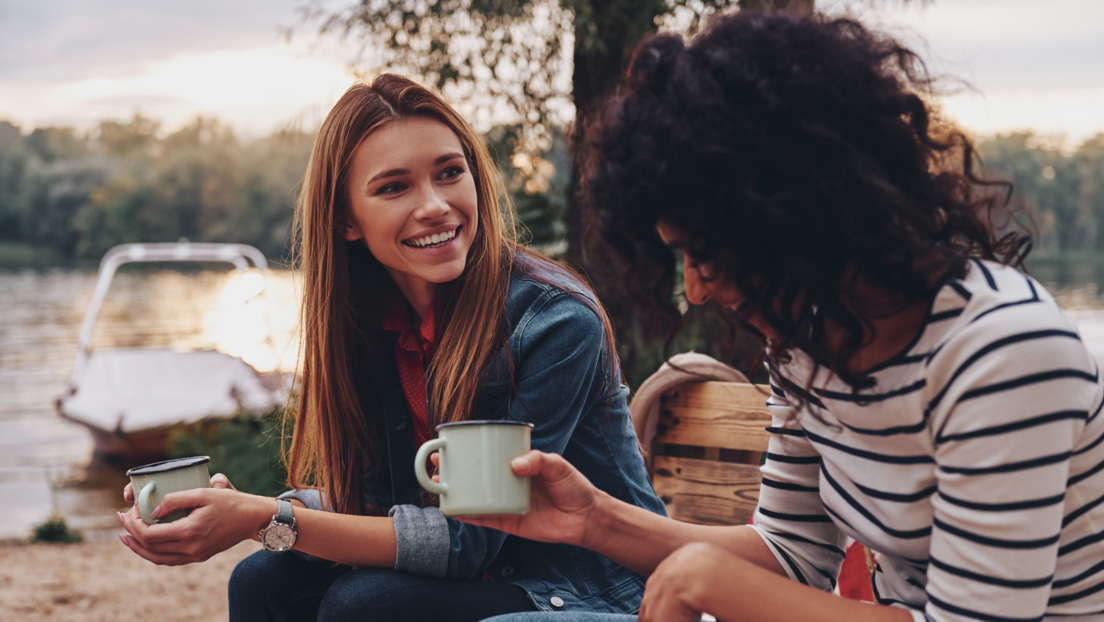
[{"x": 395, "y": 172}]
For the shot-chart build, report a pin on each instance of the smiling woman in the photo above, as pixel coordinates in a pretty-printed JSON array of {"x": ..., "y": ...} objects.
[
  {"x": 413, "y": 203},
  {"x": 419, "y": 308}
]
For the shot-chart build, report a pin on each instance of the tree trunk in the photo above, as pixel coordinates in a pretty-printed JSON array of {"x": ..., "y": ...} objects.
[
  {"x": 606, "y": 32},
  {"x": 598, "y": 66}
]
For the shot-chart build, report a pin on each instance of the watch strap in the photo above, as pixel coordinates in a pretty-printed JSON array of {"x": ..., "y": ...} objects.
[{"x": 283, "y": 512}]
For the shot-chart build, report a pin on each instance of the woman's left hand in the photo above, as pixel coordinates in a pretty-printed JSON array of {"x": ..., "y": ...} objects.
[
  {"x": 684, "y": 584},
  {"x": 221, "y": 517}
]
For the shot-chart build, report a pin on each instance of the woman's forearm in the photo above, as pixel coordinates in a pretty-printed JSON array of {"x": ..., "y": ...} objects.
[
  {"x": 640, "y": 540},
  {"x": 704, "y": 578},
  {"x": 341, "y": 538}
]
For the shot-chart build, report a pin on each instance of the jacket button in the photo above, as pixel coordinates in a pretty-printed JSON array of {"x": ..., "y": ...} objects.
[
  {"x": 507, "y": 571},
  {"x": 556, "y": 601}
]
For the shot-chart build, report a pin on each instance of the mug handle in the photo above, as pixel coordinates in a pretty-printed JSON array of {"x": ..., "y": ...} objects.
[
  {"x": 420, "y": 466},
  {"x": 144, "y": 503}
]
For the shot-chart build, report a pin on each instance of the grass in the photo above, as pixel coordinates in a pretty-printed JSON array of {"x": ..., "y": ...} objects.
[{"x": 55, "y": 531}]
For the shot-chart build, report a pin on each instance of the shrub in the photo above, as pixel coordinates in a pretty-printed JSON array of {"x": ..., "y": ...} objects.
[
  {"x": 55, "y": 530},
  {"x": 245, "y": 450}
]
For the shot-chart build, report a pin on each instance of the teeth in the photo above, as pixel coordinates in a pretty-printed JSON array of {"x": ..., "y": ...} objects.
[{"x": 436, "y": 238}]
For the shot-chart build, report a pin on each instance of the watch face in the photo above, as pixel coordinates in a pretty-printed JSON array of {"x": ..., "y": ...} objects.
[{"x": 279, "y": 537}]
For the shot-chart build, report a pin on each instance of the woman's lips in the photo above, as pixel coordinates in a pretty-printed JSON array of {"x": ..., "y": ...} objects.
[
  {"x": 440, "y": 248},
  {"x": 432, "y": 240}
]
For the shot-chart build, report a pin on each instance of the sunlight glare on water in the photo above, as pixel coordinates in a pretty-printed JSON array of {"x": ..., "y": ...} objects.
[{"x": 45, "y": 461}]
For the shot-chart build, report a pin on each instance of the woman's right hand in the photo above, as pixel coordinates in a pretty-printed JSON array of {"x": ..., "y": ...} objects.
[{"x": 563, "y": 502}]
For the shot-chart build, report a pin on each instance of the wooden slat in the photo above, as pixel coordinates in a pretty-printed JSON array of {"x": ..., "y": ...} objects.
[
  {"x": 715, "y": 414},
  {"x": 705, "y": 492}
]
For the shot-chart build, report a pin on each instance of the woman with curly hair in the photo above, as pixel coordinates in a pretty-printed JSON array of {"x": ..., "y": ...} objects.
[
  {"x": 419, "y": 308},
  {"x": 929, "y": 399}
]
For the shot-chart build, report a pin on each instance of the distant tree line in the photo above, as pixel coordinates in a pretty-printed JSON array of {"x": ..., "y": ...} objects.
[
  {"x": 1061, "y": 189},
  {"x": 79, "y": 193}
]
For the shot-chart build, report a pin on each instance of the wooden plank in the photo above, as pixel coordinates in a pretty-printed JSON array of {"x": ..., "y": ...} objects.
[
  {"x": 707, "y": 493},
  {"x": 727, "y": 415}
]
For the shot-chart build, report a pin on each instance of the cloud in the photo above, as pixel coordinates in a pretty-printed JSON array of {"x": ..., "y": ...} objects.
[
  {"x": 1005, "y": 45},
  {"x": 62, "y": 40}
]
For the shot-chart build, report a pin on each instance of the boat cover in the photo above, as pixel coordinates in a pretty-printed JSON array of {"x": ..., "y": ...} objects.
[{"x": 127, "y": 390}]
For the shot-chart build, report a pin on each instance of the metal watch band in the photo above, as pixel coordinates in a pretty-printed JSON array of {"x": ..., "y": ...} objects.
[{"x": 283, "y": 512}]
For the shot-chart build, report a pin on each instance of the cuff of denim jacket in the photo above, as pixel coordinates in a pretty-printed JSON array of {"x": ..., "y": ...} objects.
[
  {"x": 313, "y": 500},
  {"x": 308, "y": 496},
  {"x": 422, "y": 541}
]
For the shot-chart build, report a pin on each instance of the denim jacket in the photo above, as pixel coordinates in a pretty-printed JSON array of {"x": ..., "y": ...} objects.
[{"x": 560, "y": 383}]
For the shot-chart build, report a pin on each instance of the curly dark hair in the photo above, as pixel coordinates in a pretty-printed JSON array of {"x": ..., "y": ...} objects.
[{"x": 799, "y": 154}]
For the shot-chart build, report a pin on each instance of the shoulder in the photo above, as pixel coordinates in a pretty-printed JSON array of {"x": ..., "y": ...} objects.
[
  {"x": 1008, "y": 333},
  {"x": 537, "y": 283},
  {"x": 996, "y": 304},
  {"x": 544, "y": 298}
]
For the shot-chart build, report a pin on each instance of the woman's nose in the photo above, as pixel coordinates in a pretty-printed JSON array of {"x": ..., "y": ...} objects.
[
  {"x": 698, "y": 292},
  {"x": 431, "y": 206}
]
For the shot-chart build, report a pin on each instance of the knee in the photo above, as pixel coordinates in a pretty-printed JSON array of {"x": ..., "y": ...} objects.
[
  {"x": 366, "y": 594},
  {"x": 257, "y": 580},
  {"x": 250, "y": 574}
]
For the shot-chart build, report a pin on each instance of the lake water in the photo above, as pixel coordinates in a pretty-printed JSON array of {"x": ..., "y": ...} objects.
[{"x": 46, "y": 462}]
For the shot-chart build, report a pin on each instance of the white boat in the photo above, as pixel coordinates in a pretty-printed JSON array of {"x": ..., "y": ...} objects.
[{"x": 131, "y": 398}]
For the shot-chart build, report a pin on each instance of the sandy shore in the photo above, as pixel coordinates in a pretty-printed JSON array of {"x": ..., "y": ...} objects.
[{"x": 105, "y": 582}]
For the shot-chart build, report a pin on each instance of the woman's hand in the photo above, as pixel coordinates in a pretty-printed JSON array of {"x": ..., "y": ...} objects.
[
  {"x": 218, "y": 480},
  {"x": 221, "y": 517},
  {"x": 688, "y": 581},
  {"x": 562, "y": 506}
]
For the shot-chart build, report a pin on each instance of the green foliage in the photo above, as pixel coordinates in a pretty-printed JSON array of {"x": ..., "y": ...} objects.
[
  {"x": 499, "y": 59},
  {"x": 243, "y": 449},
  {"x": 1059, "y": 188},
  {"x": 78, "y": 195},
  {"x": 55, "y": 530}
]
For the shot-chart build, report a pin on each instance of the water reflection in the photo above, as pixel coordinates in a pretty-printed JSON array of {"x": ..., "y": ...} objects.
[
  {"x": 44, "y": 460},
  {"x": 1064, "y": 273}
]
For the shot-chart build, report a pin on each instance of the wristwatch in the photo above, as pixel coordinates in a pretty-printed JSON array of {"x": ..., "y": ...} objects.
[{"x": 279, "y": 536}]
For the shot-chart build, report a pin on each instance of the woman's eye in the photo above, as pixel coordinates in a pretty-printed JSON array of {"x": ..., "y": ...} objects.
[
  {"x": 391, "y": 189},
  {"x": 452, "y": 172}
]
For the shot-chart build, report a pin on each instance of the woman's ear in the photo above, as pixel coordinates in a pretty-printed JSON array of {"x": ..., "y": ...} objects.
[{"x": 350, "y": 232}]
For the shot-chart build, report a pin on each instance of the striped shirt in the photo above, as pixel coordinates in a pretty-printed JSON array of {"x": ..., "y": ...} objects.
[{"x": 974, "y": 467}]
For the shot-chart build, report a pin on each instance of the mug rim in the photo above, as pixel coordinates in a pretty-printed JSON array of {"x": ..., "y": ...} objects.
[
  {"x": 455, "y": 424},
  {"x": 168, "y": 465}
]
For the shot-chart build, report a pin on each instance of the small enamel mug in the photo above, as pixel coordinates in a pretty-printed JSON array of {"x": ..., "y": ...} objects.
[
  {"x": 153, "y": 481},
  {"x": 475, "y": 467}
]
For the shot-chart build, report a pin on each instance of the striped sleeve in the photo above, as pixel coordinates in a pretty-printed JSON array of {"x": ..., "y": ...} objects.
[
  {"x": 790, "y": 517},
  {"x": 1007, "y": 402}
]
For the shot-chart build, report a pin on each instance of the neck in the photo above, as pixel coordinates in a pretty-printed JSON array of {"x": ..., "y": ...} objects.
[
  {"x": 889, "y": 335},
  {"x": 419, "y": 293},
  {"x": 893, "y": 325}
]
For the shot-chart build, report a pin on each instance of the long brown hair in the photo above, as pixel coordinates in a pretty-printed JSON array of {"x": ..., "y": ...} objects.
[{"x": 338, "y": 422}]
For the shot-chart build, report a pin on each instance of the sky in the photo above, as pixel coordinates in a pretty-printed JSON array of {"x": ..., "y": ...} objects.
[
  {"x": 1021, "y": 64},
  {"x": 1028, "y": 64}
]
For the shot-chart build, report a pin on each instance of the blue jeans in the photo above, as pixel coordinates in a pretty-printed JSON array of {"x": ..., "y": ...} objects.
[{"x": 271, "y": 587}]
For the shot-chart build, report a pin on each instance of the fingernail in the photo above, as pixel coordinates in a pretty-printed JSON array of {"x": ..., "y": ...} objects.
[
  {"x": 122, "y": 538},
  {"x": 520, "y": 463},
  {"x": 119, "y": 515},
  {"x": 156, "y": 512}
]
